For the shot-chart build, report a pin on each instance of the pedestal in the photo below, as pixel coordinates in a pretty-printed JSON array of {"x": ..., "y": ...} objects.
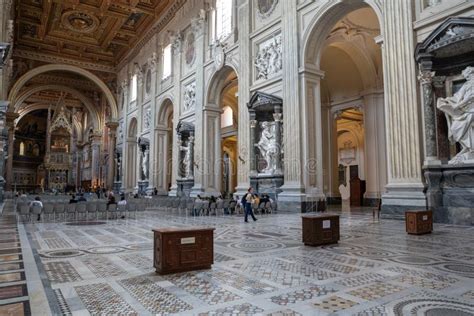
[
  {"x": 419, "y": 222},
  {"x": 183, "y": 249},
  {"x": 184, "y": 187},
  {"x": 320, "y": 229},
  {"x": 268, "y": 184},
  {"x": 117, "y": 186},
  {"x": 450, "y": 193},
  {"x": 142, "y": 185}
]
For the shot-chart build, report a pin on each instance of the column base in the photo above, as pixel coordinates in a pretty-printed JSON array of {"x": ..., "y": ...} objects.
[
  {"x": 173, "y": 190},
  {"x": 402, "y": 197},
  {"x": 142, "y": 186},
  {"x": 117, "y": 187},
  {"x": 292, "y": 199},
  {"x": 240, "y": 190},
  {"x": 184, "y": 187}
]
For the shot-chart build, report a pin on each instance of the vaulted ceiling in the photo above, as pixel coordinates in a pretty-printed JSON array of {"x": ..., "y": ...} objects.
[{"x": 99, "y": 32}]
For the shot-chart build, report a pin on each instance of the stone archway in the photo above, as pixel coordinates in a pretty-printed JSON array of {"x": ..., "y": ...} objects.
[
  {"x": 94, "y": 114},
  {"x": 130, "y": 169},
  {"x": 15, "y": 90},
  {"x": 223, "y": 81},
  {"x": 164, "y": 175},
  {"x": 323, "y": 97}
]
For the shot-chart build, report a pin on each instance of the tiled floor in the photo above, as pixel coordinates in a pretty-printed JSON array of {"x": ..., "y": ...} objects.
[
  {"x": 261, "y": 268},
  {"x": 14, "y": 298}
]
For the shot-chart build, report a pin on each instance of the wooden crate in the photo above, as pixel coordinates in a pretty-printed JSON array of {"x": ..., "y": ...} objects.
[
  {"x": 419, "y": 222},
  {"x": 320, "y": 229},
  {"x": 183, "y": 249}
]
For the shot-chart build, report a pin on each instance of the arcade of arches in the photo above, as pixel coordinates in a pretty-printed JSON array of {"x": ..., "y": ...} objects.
[{"x": 177, "y": 107}]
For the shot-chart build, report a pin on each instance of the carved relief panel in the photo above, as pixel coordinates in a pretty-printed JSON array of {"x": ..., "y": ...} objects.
[
  {"x": 189, "y": 98},
  {"x": 268, "y": 58},
  {"x": 265, "y": 11},
  {"x": 147, "y": 119}
]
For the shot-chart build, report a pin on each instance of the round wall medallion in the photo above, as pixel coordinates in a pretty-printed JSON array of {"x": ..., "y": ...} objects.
[
  {"x": 190, "y": 49},
  {"x": 148, "y": 82},
  {"x": 266, "y": 7},
  {"x": 80, "y": 22}
]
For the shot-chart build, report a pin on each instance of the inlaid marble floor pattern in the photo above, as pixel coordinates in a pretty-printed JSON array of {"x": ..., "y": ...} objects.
[{"x": 261, "y": 268}]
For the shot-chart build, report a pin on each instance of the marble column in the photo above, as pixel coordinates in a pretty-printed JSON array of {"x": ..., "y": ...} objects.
[
  {"x": 10, "y": 119},
  {"x": 245, "y": 74},
  {"x": 96, "y": 141},
  {"x": 124, "y": 173},
  {"x": 252, "y": 153},
  {"x": 79, "y": 159},
  {"x": 278, "y": 117},
  {"x": 442, "y": 141},
  {"x": 153, "y": 157},
  {"x": 112, "y": 126},
  {"x": 431, "y": 151},
  {"x": 162, "y": 160},
  {"x": 293, "y": 188},
  {"x": 405, "y": 188}
]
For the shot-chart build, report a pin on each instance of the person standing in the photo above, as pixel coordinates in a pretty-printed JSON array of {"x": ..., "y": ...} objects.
[
  {"x": 37, "y": 202},
  {"x": 248, "y": 201}
]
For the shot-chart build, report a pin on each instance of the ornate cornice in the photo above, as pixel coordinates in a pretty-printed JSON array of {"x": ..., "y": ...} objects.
[{"x": 33, "y": 55}]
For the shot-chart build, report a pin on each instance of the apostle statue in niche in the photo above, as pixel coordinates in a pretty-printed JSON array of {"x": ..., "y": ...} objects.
[
  {"x": 268, "y": 146},
  {"x": 186, "y": 161},
  {"x": 145, "y": 158},
  {"x": 459, "y": 111}
]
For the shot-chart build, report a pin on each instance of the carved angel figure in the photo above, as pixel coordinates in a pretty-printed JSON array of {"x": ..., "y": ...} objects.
[
  {"x": 459, "y": 111},
  {"x": 145, "y": 164},
  {"x": 268, "y": 146}
]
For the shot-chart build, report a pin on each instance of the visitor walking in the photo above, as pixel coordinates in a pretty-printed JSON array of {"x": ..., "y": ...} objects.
[
  {"x": 247, "y": 202},
  {"x": 37, "y": 202}
]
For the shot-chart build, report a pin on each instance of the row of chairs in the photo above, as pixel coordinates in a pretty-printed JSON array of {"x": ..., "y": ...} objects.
[{"x": 75, "y": 211}]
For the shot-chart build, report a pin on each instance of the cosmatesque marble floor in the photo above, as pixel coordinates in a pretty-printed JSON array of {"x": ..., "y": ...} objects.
[{"x": 261, "y": 268}]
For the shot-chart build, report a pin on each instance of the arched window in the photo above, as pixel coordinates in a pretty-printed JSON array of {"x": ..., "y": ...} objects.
[
  {"x": 22, "y": 149},
  {"x": 221, "y": 19},
  {"x": 227, "y": 117},
  {"x": 167, "y": 60},
  {"x": 134, "y": 88}
]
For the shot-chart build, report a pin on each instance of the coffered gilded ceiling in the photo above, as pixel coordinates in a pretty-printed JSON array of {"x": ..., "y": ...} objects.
[{"x": 97, "y": 33}]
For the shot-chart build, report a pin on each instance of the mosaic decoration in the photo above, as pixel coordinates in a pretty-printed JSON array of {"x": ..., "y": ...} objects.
[
  {"x": 105, "y": 250},
  {"x": 137, "y": 260},
  {"x": 252, "y": 287},
  {"x": 285, "y": 312},
  {"x": 102, "y": 267},
  {"x": 153, "y": 297},
  {"x": 301, "y": 295},
  {"x": 61, "y": 272},
  {"x": 428, "y": 284},
  {"x": 101, "y": 299},
  {"x": 243, "y": 309},
  {"x": 202, "y": 289},
  {"x": 376, "y": 290},
  {"x": 423, "y": 274},
  {"x": 334, "y": 303},
  {"x": 463, "y": 269},
  {"x": 57, "y": 243},
  {"x": 64, "y": 307},
  {"x": 361, "y": 279},
  {"x": 61, "y": 253}
]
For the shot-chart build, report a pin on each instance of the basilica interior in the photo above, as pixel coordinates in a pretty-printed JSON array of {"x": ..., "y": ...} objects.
[{"x": 346, "y": 128}]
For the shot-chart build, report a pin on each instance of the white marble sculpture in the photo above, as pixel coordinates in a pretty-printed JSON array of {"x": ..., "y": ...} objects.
[
  {"x": 145, "y": 164},
  {"x": 459, "y": 111},
  {"x": 186, "y": 161},
  {"x": 268, "y": 146}
]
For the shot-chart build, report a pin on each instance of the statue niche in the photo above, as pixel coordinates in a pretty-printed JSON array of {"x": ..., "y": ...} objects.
[
  {"x": 266, "y": 150},
  {"x": 185, "y": 181}
]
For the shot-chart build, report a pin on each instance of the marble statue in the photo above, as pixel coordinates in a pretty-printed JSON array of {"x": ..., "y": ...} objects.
[
  {"x": 459, "y": 111},
  {"x": 145, "y": 164},
  {"x": 186, "y": 161},
  {"x": 268, "y": 146}
]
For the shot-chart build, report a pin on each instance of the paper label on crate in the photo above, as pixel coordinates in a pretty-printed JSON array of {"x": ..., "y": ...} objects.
[
  {"x": 188, "y": 240},
  {"x": 425, "y": 217},
  {"x": 326, "y": 224}
]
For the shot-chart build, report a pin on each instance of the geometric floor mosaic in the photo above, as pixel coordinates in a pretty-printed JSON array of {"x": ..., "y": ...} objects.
[{"x": 260, "y": 268}]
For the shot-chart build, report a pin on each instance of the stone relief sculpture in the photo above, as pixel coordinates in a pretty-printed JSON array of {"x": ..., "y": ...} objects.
[
  {"x": 269, "y": 58},
  {"x": 147, "y": 119},
  {"x": 459, "y": 111},
  {"x": 268, "y": 146},
  {"x": 265, "y": 7},
  {"x": 190, "y": 96}
]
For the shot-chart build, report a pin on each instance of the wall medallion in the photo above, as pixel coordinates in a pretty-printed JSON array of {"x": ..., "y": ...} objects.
[
  {"x": 266, "y": 7},
  {"x": 80, "y": 22},
  {"x": 190, "y": 53}
]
